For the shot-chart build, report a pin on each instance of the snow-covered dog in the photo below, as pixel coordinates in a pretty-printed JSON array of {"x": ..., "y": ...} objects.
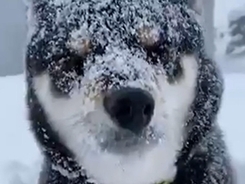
[{"x": 122, "y": 92}]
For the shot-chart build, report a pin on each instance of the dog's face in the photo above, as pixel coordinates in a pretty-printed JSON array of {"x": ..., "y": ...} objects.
[{"x": 115, "y": 79}]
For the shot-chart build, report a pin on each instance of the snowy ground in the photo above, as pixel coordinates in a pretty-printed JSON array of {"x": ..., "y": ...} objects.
[{"x": 18, "y": 150}]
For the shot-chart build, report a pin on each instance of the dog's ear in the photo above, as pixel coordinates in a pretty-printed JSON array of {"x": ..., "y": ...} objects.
[{"x": 39, "y": 12}]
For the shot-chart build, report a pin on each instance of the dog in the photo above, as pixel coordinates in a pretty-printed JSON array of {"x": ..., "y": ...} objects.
[{"x": 123, "y": 92}]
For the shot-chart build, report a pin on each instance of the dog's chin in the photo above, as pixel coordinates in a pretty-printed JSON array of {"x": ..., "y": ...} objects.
[{"x": 123, "y": 141}]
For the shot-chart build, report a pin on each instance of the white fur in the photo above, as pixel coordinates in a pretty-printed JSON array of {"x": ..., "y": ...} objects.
[{"x": 80, "y": 118}]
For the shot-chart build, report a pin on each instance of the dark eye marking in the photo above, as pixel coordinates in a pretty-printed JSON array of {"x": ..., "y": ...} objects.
[
  {"x": 65, "y": 71},
  {"x": 68, "y": 62},
  {"x": 77, "y": 64},
  {"x": 168, "y": 58},
  {"x": 156, "y": 53},
  {"x": 98, "y": 49}
]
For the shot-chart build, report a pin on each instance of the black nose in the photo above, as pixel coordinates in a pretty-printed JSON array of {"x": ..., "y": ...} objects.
[{"x": 130, "y": 108}]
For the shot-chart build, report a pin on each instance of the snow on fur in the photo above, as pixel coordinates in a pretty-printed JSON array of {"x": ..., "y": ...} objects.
[{"x": 113, "y": 25}]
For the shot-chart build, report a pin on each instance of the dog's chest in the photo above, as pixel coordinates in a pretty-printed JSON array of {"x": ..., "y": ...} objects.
[{"x": 55, "y": 176}]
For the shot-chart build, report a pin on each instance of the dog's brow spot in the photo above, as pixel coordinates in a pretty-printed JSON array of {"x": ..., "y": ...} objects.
[
  {"x": 148, "y": 36},
  {"x": 81, "y": 46}
]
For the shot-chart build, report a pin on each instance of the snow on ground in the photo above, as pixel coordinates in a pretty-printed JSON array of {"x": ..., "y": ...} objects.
[
  {"x": 20, "y": 158},
  {"x": 232, "y": 114},
  {"x": 18, "y": 150}
]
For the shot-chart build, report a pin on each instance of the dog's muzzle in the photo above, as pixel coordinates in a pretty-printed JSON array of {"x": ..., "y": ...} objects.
[{"x": 130, "y": 108}]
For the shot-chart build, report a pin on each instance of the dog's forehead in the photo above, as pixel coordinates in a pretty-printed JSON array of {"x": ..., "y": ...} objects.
[
  {"x": 110, "y": 22},
  {"x": 113, "y": 20}
]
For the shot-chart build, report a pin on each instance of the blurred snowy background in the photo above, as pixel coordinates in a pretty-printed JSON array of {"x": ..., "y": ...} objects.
[{"x": 225, "y": 40}]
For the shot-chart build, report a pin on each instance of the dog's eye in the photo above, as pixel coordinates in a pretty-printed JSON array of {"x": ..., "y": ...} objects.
[
  {"x": 156, "y": 54},
  {"x": 65, "y": 71},
  {"x": 68, "y": 62},
  {"x": 77, "y": 64}
]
